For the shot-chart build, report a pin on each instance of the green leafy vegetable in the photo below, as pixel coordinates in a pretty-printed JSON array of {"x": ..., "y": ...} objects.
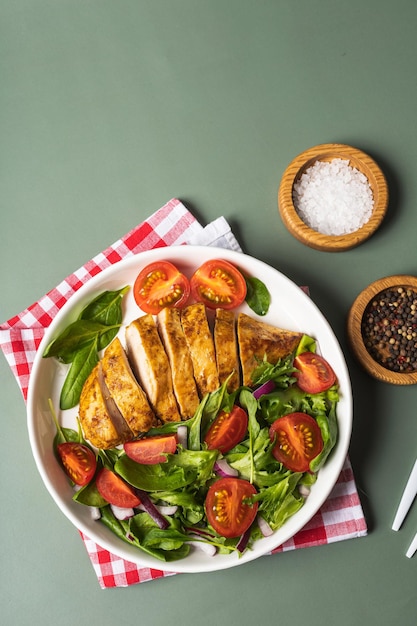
[
  {"x": 80, "y": 342},
  {"x": 258, "y": 297}
]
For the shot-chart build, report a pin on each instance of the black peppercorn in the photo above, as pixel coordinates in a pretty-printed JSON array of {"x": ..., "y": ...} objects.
[{"x": 389, "y": 329}]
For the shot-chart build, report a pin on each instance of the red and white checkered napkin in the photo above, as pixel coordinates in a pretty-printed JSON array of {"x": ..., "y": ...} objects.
[{"x": 341, "y": 517}]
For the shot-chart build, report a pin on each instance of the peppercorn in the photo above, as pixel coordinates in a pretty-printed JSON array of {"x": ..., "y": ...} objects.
[{"x": 389, "y": 329}]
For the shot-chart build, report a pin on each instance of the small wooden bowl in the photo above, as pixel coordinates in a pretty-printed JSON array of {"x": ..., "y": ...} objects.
[
  {"x": 327, "y": 152},
  {"x": 355, "y": 334}
]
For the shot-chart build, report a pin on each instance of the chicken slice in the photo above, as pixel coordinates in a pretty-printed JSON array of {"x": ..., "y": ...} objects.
[
  {"x": 173, "y": 338},
  {"x": 125, "y": 390},
  {"x": 201, "y": 346},
  {"x": 102, "y": 428},
  {"x": 258, "y": 339},
  {"x": 225, "y": 343},
  {"x": 151, "y": 367}
]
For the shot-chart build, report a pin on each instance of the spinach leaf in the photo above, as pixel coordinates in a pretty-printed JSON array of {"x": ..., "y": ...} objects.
[
  {"x": 258, "y": 297},
  {"x": 74, "y": 338},
  {"x": 105, "y": 309},
  {"x": 82, "y": 365}
]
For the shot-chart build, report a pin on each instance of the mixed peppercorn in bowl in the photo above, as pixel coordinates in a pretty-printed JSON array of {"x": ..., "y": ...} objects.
[{"x": 382, "y": 329}]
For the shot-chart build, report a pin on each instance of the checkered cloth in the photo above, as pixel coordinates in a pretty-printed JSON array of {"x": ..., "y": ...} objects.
[{"x": 341, "y": 516}]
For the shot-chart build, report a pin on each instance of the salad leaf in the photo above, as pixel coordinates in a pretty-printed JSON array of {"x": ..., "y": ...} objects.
[
  {"x": 280, "y": 373},
  {"x": 82, "y": 365},
  {"x": 280, "y": 501},
  {"x": 329, "y": 431},
  {"x": 184, "y": 468},
  {"x": 258, "y": 297}
]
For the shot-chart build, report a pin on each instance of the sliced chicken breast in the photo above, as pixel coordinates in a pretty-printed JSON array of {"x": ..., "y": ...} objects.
[
  {"x": 95, "y": 418},
  {"x": 201, "y": 346},
  {"x": 258, "y": 339},
  {"x": 225, "y": 343},
  {"x": 173, "y": 338},
  {"x": 151, "y": 367},
  {"x": 125, "y": 390}
]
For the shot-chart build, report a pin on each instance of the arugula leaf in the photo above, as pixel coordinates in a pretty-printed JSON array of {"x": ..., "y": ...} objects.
[
  {"x": 258, "y": 297},
  {"x": 280, "y": 373},
  {"x": 280, "y": 501},
  {"x": 329, "y": 431}
]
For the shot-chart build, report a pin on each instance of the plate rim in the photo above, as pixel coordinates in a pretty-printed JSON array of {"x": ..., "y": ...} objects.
[{"x": 219, "y": 562}]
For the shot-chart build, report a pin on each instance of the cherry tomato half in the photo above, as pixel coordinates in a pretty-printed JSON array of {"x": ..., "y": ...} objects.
[
  {"x": 79, "y": 461},
  {"x": 160, "y": 285},
  {"x": 226, "y": 507},
  {"x": 298, "y": 441},
  {"x": 151, "y": 450},
  {"x": 115, "y": 490},
  {"x": 227, "y": 430},
  {"x": 314, "y": 374},
  {"x": 218, "y": 284}
]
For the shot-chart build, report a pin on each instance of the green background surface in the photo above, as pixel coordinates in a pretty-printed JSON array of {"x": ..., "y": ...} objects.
[{"x": 109, "y": 109}]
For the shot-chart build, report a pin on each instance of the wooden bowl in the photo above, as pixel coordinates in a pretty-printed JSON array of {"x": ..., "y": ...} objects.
[
  {"x": 355, "y": 333},
  {"x": 327, "y": 152}
]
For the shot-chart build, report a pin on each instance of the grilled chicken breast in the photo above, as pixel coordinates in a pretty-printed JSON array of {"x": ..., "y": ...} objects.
[
  {"x": 173, "y": 338},
  {"x": 151, "y": 367},
  {"x": 95, "y": 418},
  {"x": 201, "y": 347},
  {"x": 125, "y": 390},
  {"x": 258, "y": 339},
  {"x": 225, "y": 343}
]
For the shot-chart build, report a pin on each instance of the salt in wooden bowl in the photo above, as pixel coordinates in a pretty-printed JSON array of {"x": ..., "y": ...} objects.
[
  {"x": 370, "y": 352},
  {"x": 327, "y": 153}
]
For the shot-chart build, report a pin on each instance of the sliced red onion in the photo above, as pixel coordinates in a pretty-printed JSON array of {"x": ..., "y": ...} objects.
[
  {"x": 243, "y": 541},
  {"x": 263, "y": 389},
  {"x": 129, "y": 536},
  {"x": 151, "y": 509},
  {"x": 165, "y": 509},
  {"x": 264, "y": 527},
  {"x": 121, "y": 513},
  {"x": 182, "y": 435},
  {"x": 222, "y": 468},
  {"x": 95, "y": 513},
  {"x": 207, "y": 548}
]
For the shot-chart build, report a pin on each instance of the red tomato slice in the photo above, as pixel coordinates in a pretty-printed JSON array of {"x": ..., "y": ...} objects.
[
  {"x": 151, "y": 450},
  {"x": 159, "y": 285},
  {"x": 79, "y": 461},
  {"x": 226, "y": 509},
  {"x": 218, "y": 284},
  {"x": 115, "y": 490},
  {"x": 298, "y": 441},
  {"x": 314, "y": 373},
  {"x": 227, "y": 430}
]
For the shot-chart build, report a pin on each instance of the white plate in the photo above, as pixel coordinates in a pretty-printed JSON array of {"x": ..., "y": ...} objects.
[{"x": 290, "y": 308}]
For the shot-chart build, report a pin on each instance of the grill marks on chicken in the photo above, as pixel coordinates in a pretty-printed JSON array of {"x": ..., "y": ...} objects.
[
  {"x": 226, "y": 348},
  {"x": 258, "y": 339},
  {"x": 201, "y": 347},
  {"x": 151, "y": 367},
  {"x": 168, "y": 365},
  {"x": 173, "y": 338},
  {"x": 123, "y": 387}
]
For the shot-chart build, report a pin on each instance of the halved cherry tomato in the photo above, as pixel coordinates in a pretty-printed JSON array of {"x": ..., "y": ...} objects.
[
  {"x": 218, "y": 284},
  {"x": 314, "y": 374},
  {"x": 151, "y": 450},
  {"x": 160, "y": 285},
  {"x": 226, "y": 507},
  {"x": 227, "y": 430},
  {"x": 298, "y": 441},
  {"x": 79, "y": 461},
  {"x": 115, "y": 490}
]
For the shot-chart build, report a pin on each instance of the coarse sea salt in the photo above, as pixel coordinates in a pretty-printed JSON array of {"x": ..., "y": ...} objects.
[{"x": 333, "y": 197}]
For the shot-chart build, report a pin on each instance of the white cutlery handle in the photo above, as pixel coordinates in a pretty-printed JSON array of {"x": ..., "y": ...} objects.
[
  {"x": 408, "y": 496},
  {"x": 412, "y": 548}
]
